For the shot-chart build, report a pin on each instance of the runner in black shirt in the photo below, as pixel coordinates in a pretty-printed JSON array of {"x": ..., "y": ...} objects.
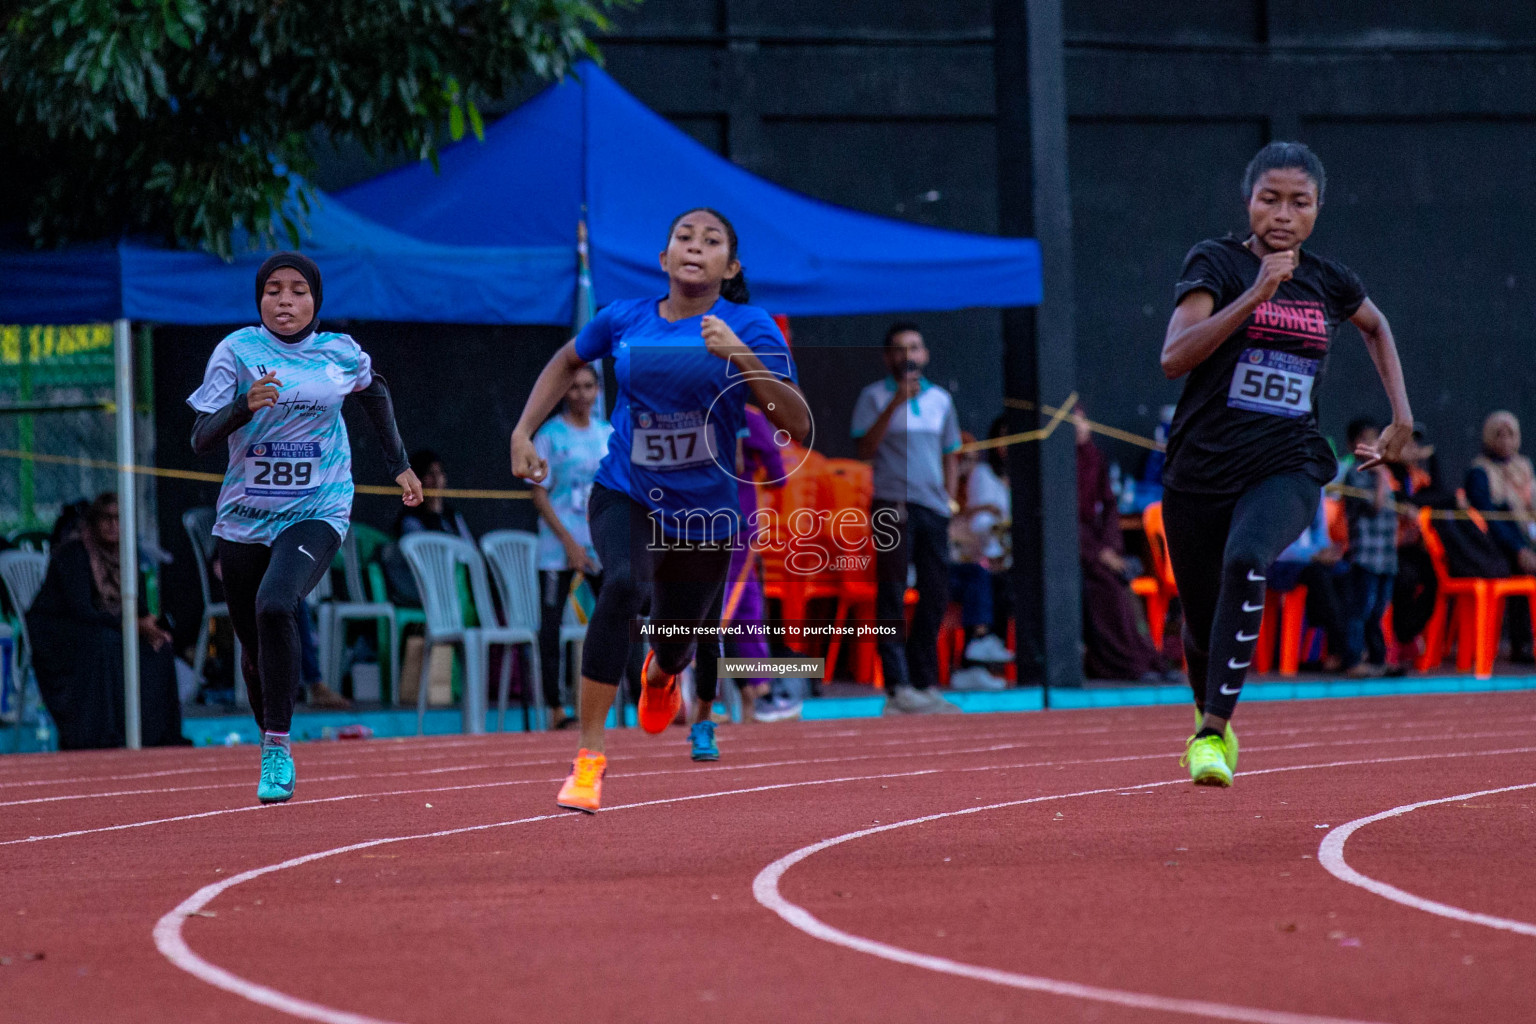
[{"x": 1246, "y": 463}]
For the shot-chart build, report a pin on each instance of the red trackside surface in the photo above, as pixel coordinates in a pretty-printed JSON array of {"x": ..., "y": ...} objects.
[{"x": 648, "y": 913}]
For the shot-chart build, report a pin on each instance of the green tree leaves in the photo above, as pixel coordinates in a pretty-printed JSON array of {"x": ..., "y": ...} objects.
[{"x": 190, "y": 120}]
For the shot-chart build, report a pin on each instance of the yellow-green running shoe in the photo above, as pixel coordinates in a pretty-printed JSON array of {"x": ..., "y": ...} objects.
[
  {"x": 1230, "y": 738},
  {"x": 1207, "y": 760}
]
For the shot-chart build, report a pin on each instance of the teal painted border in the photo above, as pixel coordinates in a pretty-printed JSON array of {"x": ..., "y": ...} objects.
[
  {"x": 1318, "y": 689},
  {"x": 447, "y": 721}
]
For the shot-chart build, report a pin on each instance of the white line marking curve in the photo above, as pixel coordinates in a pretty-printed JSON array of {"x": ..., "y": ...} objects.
[
  {"x": 1330, "y": 854},
  {"x": 765, "y": 888},
  {"x": 172, "y": 944}
]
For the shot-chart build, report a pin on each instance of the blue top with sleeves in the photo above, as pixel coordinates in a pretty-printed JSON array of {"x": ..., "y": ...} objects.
[{"x": 678, "y": 410}]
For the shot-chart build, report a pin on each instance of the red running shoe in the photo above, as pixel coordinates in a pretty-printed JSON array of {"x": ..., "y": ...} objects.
[{"x": 659, "y": 705}]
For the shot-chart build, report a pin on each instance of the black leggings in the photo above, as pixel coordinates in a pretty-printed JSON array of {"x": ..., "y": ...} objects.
[
  {"x": 265, "y": 587},
  {"x": 1221, "y": 548},
  {"x": 684, "y": 585}
]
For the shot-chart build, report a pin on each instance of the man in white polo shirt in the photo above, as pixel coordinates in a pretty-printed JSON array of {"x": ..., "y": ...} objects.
[{"x": 908, "y": 427}]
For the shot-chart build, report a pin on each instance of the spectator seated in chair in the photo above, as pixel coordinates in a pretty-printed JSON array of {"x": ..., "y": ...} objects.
[
  {"x": 76, "y": 628},
  {"x": 1415, "y": 588},
  {"x": 1372, "y": 556},
  {"x": 1501, "y": 480},
  {"x": 1314, "y": 561},
  {"x": 1115, "y": 647},
  {"x": 980, "y": 557}
]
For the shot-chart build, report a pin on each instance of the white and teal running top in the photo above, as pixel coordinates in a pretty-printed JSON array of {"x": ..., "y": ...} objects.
[{"x": 293, "y": 461}]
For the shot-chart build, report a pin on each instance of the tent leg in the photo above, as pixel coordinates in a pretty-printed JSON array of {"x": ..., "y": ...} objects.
[
  {"x": 128, "y": 544},
  {"x": 1040, "y": 360}
]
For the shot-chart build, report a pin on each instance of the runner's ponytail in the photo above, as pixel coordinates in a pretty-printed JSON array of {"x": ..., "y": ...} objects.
[{"x": 734, "y": 289}]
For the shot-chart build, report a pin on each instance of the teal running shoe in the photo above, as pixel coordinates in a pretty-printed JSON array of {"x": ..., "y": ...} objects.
[
  {"x": 1207, "y": 760},
  {"x": 1230, "y": 741},
  {"x": 702, "y": 737},
  {"x": 277, "y": 775}
]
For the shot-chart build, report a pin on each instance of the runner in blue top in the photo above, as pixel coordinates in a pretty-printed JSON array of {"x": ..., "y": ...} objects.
[
  {"x": 274, "y": 393},
  {"x": 664, "y": 510}
]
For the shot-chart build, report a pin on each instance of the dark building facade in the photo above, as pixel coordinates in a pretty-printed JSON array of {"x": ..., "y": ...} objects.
[{"x": 1423, "y": 111}]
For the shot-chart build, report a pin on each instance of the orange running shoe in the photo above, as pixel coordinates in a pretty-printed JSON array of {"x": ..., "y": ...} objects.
[
  {"x": 659, "y": 705},
  {"x": 583, "y": 789}
]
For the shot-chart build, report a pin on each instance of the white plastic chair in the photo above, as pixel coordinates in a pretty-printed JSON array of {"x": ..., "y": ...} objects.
[
  {"x": 198, "y": 522},
  {"x": 434, "y": 559},
  {"x": 355, "y": 608},
  {"x": 513, "y": 556},
  {"x": 22, "y": 572}
]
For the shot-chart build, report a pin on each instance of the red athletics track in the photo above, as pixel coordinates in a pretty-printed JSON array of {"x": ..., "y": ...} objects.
[{"x": 1068, "y": 873}]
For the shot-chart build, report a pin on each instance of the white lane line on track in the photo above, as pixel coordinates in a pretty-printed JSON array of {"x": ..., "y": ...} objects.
[
  {"x": 172, "y": 943},
  {"x": 765, "y": 888},
  {"x": 695, "y": 771},
  {"x": 972, "y": 735},
  {"x": 1330, "y": 854},
  {"x": 317, "y": 753},
  {"x": 701, "y": 770},
  {"x": 491, "y": 766}
]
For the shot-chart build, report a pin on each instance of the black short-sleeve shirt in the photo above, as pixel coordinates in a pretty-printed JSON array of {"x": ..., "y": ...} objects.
[{"x": 1249, "y": 411}]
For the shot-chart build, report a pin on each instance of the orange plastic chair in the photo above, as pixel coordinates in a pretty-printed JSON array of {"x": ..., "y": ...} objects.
[
  {"x": 951, "y": 642},
  {"x": 1150, "y": 591},
  {"x": 1466, "y": 605},
  {"x": 850, "y": 484},
  {"x": 1289, "y": 607},
  {"x": 803, "y": 490},
  {"x": 1158, "y": 589}
]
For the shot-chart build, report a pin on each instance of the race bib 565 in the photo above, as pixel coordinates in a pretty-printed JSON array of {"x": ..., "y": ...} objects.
[{"x": 1277, "y": 383}]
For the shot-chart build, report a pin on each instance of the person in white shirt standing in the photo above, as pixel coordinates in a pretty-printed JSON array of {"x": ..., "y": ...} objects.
[{"x": 907, "y": 426}]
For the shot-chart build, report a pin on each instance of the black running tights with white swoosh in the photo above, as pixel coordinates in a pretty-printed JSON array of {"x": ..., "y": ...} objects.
[
  {"x": 1222, "y": 547},
  {"x": 264, "y": 587}
]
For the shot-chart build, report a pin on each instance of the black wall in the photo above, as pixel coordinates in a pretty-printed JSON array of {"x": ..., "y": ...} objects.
[{"x": 1424, "y": 112}]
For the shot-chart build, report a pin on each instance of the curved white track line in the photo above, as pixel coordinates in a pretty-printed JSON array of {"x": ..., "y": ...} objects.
[
  {"x": 765, "y": 888},
  {"x": 1330, "y": 854},
  {"x": 172, "y": 944}
]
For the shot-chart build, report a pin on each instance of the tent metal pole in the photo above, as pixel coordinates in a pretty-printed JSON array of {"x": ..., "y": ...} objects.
[
  {"x": 1039, "y": 344},
  {"x": 128, "y": 530}
]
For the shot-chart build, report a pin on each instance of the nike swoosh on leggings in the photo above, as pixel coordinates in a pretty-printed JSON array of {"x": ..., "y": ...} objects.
[
  {"x": 306, "y": 553},
  {"x": 1242, "y": 638},
  {"x": 1253, "y": 608},
  {"x": 1234, "y": 665},
  {"x": 1230, "y": 693},
  {"x": 1255, "y": 579}
]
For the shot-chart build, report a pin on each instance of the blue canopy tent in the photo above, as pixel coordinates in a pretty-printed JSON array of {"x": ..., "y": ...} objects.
[
  {"x": 370, "y": 272},
  {"x": 585, "y": 149}
]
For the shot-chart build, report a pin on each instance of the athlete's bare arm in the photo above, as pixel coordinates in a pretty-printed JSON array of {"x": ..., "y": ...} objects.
[
  {"x": 1383, "y": 349},
  {"x": 1194, "y": 332}
]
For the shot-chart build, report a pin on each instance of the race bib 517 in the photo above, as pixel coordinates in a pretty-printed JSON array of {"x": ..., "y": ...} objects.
[
  {"x": 1277, "y": 383},
  {"x": 670, "y": 440}
]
